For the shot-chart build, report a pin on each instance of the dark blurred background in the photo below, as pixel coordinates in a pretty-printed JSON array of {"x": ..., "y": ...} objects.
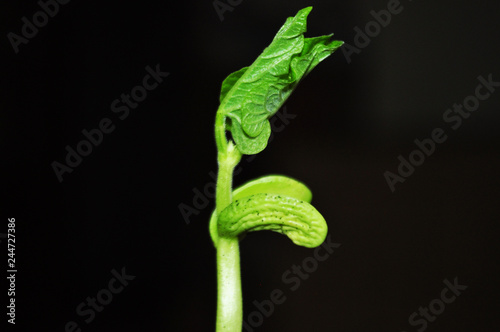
[{"x": 354, "y": 115}]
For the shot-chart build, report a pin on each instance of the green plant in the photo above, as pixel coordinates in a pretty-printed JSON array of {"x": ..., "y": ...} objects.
[{"x": 249, "y": 97}]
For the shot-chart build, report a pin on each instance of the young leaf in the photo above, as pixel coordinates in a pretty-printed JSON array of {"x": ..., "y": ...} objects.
[
  {"x": 229, "y": 82},
  {"x": 298, "y": 220},
  {"x": 244, "y": 143},
  {"x": 250, "y": 96}
]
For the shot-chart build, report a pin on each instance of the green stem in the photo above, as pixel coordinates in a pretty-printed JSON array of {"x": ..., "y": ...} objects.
[
  {"x": 220, "y": 133},
  {"x": 229, "y": 299},
  {"x": 223, "y": 193}
]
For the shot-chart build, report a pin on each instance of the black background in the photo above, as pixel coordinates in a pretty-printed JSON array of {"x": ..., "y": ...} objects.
[{"x": 120, "y": 206}]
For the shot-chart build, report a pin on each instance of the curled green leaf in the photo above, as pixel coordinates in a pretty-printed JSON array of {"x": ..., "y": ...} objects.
[
  {"x": 297, "y": 219},
  {"x": 250, "y": 96},
  {"x": 270, "y": 184}
]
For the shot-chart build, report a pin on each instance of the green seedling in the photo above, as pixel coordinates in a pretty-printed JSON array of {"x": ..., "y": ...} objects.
[{"x": 249, "y": 97}]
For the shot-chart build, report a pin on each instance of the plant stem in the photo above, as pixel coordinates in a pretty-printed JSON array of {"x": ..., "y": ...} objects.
[
  {"x": 220, "y": 135},
  {"x": 223, "y": 193},
  {"x": 229, "y": 299}
]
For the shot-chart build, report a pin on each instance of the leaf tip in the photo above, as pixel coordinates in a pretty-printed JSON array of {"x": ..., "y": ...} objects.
[
  {"x": 305, "y": 11},
  {"x": 303, "y": 14}
]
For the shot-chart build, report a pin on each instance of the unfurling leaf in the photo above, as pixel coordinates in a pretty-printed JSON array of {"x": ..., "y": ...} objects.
[{"x": 250, "y": 96}]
